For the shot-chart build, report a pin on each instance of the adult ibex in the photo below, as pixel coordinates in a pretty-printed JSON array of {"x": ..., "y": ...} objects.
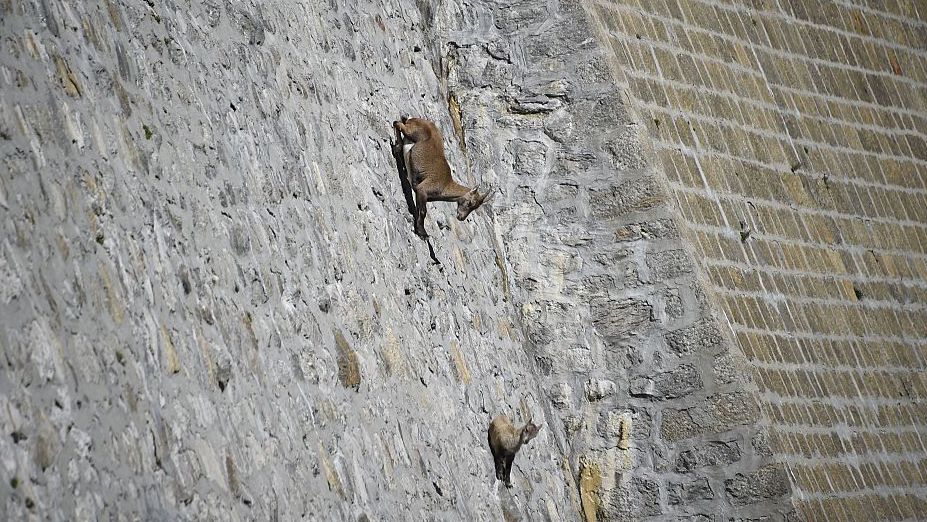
[{"x": 428, "y": 171}]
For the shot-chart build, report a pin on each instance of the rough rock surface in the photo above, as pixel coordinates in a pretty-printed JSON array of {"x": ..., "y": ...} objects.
[
  {"x": 212, "y": 304},
  {"x": 628, "y": 353}
]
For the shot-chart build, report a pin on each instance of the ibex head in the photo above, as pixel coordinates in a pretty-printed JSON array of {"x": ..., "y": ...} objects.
[
  {"x": 471, "y": 201},
  {"x": 529, "y": 431}
]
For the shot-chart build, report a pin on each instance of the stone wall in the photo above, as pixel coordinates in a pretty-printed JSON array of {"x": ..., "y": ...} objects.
[
  {"x": 703, "y": 277},
  {"x": 792, "y": 135},
  {"x": 213, "y": 305},
  {"x": 657, "y": 413}
]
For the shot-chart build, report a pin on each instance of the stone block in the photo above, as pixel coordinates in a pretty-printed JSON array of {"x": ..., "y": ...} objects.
[
  {"x": 223, "y": 370},
  {"x": 480, "y": 67},
  {"x": 561, "y": 395},
  {"x": 669, "y": 264},
  {"x": 590, "y": 482},
  {"x": 11, "y": 285},
  {"x": 557, "y": 40},
  {"x": 689, "y": 492},
  {"x": 657, "y": 229},
  {"x": 700, "y": 337},
  {"x": 708, "y": 454},
  {"x": 673, "y": 304},
  {"x": 729, "y": 368},
  {"x": 612, "y": 423},
  {"x": 618, "y": 319},
  {"x": 635, "y": 499},
  {"x": 672, "y": 384},
  {"x": 598, "y": 389},
  {"x": 636, "y": 195},
  {"x": 715, "y": 414},
  {"x": 593, "y": 68},
  {"x": 67, "y": 78},
  {"x": 349, "y": 373},
  {"x": 47, "y": 444},
  {"x": 607, "y": 111},
  {"x": 520, "y": 15},
  {"x": 528, "y": 159},
  {"x": 626, "y": 151},
  {"x": 767, "y": 483}
]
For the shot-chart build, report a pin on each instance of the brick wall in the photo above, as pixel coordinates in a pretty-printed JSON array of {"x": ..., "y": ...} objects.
[{"x": 792, "y": 137}]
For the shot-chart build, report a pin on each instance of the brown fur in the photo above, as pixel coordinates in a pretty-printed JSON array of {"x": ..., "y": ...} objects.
[
  {"x": 429, "y": 172},
  {"x": 504, "y": 442}
]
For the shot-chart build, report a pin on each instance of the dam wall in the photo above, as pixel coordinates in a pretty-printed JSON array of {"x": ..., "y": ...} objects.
[{"x": 702, "y": 270}]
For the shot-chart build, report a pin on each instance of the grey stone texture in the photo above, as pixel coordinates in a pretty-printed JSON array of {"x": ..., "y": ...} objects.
[
  {"x": 630, "y": 357},
  {"x": 213, "y": 307}
]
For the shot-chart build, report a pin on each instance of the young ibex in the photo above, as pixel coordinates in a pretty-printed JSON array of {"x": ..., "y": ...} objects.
[
  {"x": 504, "y": 441},
  {"x": 428, "y": 171}
]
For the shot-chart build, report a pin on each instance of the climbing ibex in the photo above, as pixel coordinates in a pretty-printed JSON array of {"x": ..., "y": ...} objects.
[
  {"x": 428, "y": 171},
  {"x": 504, "y": 441}
]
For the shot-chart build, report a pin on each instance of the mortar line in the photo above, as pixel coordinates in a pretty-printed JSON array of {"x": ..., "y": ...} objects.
[
  {"x": 849, "y": 151},
  {"x": 777, "y": 296},
  {"x": 776, "y": 135},
  {"x": 786, "y": 18},
  {"x": 787, "y": 55},
  {"x": 885, "y": 14},
  {"x": 829, "y": 277},
  {"x": 739, "y": 199},
  {"x": 804, "y": 334},
  {"x": 702, "y": 89},
  {"x": 827, "y": 368}
]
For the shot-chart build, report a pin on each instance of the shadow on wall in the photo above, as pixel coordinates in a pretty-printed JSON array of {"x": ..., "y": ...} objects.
[{"x": 423, "y": 169}]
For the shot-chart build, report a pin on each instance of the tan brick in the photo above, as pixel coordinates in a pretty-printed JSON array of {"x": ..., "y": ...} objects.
[{"x": 848, "y": 284}]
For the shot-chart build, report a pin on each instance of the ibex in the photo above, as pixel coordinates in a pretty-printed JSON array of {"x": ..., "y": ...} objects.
[
  {"x": 505, "y": 441},
  {"x": 428, "y": 171}
]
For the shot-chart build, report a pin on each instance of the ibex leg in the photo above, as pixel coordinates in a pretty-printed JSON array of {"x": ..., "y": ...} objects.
[
  {"x": 421, "y": 200},
  {"x": 500, "y": 468},
  {"x": 508, "y": 471}
]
